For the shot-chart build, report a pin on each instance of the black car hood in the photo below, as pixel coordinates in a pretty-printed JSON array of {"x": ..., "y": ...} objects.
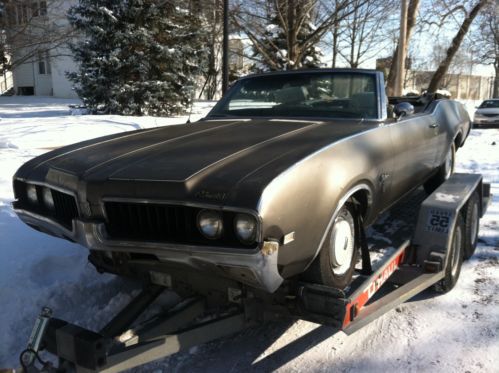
[{"x": 205, "y": 157}]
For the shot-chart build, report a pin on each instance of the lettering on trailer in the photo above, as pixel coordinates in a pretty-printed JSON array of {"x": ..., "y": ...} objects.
[
  {"x": 381, "y": 279},
  {"x": 358, "y": 303},
  {"x": 438, "y": 221}
]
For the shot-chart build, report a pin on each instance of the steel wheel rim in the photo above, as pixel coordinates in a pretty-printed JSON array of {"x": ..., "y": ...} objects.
[
  {"x": 474, "y": 224},
  {"x": 341, "y": 246},
  {"x": 456, "y": 247}
]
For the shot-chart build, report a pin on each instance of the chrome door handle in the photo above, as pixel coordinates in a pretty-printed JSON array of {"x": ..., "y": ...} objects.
[{"x": 433, "y": 125}]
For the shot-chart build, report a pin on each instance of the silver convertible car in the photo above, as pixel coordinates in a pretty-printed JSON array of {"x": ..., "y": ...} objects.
[{"x": 278, "y": 180}]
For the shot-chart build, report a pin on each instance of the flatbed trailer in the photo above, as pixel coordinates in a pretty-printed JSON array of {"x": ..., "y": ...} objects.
[{"x": 445, "y": 233}]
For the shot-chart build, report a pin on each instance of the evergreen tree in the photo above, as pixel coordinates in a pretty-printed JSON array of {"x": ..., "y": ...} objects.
[{"x": 137, "y": 57}]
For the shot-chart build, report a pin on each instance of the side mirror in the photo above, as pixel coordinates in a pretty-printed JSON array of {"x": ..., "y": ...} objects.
[{"x": 403, "y": 109}]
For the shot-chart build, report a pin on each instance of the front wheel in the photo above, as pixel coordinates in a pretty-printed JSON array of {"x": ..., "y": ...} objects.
[{"x": 335, "y": 263}]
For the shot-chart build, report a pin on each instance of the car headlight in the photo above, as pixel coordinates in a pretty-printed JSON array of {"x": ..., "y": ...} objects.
[
  {"x": 210, "y": 224},
  {"x": 478, "y": 115},
  {"x": 48, "y": 199},
  {"x": 31, "y": 193},
  {"x": 246, "y": 226}
]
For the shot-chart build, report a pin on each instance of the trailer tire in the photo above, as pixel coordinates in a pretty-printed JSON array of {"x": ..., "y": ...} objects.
[
  {"x": 471, "y": 215},
  {"x": 334, "y": 266},
  {"x": 455, "y": 260},
  {"x": 445, "y": 170}
]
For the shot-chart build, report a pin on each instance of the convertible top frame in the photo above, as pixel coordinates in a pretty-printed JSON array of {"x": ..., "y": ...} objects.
[{"x": 416, "y": 265}]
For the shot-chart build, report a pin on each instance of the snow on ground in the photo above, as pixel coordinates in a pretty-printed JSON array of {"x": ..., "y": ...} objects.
[
  {"x": 36, "y": 269},
  {"x": 458, "y": 331}
]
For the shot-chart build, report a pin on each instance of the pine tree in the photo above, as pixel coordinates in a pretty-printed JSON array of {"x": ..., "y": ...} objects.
[{"x": 137, "y": 57}]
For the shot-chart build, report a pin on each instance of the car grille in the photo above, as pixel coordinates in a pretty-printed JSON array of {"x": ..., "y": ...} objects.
[
  {"x": 65, "y": 207},
  {"x": 164, "y": 223},
  {"x": 491, "y": 115}
]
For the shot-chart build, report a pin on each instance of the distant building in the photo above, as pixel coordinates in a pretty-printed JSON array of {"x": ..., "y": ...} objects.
[
  {"x": 461, "y": 86},
  {"x": 43, "y": 73}
]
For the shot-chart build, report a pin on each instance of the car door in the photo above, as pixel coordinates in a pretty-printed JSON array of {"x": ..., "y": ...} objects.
[{"x": 415, "y": 143}]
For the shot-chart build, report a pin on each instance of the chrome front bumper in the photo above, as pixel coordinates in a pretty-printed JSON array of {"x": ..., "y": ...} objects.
[
  {"x": 486, "y": 120},
  {"x": 257, "y": 268}
]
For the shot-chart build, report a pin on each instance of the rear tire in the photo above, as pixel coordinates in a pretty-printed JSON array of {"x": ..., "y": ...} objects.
[
  {"x": 471, "y": 223},
  {"x": 444, "y": 171},
  {"x": 454, "y": 262},
  {"x": 335, "y": 264}
]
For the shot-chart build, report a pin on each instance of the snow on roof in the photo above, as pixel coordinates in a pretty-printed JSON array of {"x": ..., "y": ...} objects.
[{"x": 443, "y": 92}]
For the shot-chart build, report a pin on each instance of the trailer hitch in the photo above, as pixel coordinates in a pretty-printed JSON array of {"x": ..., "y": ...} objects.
[{"x": 30, "y": 354}]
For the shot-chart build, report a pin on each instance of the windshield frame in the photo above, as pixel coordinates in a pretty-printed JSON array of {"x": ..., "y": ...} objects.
[
  {"x": 489, "y": 100},
  {"x": 380, "y": 99}
]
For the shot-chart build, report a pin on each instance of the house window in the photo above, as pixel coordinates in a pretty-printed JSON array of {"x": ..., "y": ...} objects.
[
  {"x": 22, "y": 14},
  {"x": 47, "y": 61},
  {"x": 43, "y": 8},
  {"x": 38, "y": 8},
  {"x": 41, "y": 65},
  {"x": 44, "y": 63},
  {"x": 26, "y": 91},
  {"x": 35, "y": 9},
  {"x": 11, "y": 14}
]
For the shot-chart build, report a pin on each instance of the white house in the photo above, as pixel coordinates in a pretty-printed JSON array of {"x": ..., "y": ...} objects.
[{"x": 42, "y": 71}]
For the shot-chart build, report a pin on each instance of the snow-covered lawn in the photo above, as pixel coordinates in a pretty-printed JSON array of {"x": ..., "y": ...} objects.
[
  {"x": 458, "y": 331},
  {"x": 36, "y": 269}
]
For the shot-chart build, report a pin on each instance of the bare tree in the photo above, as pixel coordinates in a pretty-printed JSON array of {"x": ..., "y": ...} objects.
[
  {"x": 467, "y": 18},
  {"x": 34, "y": 28},
  {"x": 335, "y": 37},
  {"x": 213, "y": 11},
  {"x": 364, "y": 30},
  {"x": 292, "y": 17},
  {"x": 485, "y": 41},
  {"x": 412, "y": 12}
]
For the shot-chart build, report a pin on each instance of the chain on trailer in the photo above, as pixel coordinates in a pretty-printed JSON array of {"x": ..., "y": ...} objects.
[{"x": 427, "y": 259}]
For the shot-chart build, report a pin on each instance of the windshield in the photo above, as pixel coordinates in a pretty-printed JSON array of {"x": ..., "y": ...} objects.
[
  {"x": 334, "y": 95},
  {"x": 489, "y": 104}
]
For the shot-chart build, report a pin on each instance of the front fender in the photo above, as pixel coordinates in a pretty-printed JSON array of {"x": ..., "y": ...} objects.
[{"x": 299, "y": 205}]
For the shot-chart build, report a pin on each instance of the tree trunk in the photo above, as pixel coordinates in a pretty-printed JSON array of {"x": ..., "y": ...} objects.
[
  {"x": 291, "y": 36},
  {"x": 335, "y": 44},
  {"x": 336, "y": 30},
  {"x": 412, "y": 11},
  {"x": 456, "y": 43},
  {"x": 496, "y": 80},
  {"x": 352, "y": 39},
  {"x": 402, "y": 51}
]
